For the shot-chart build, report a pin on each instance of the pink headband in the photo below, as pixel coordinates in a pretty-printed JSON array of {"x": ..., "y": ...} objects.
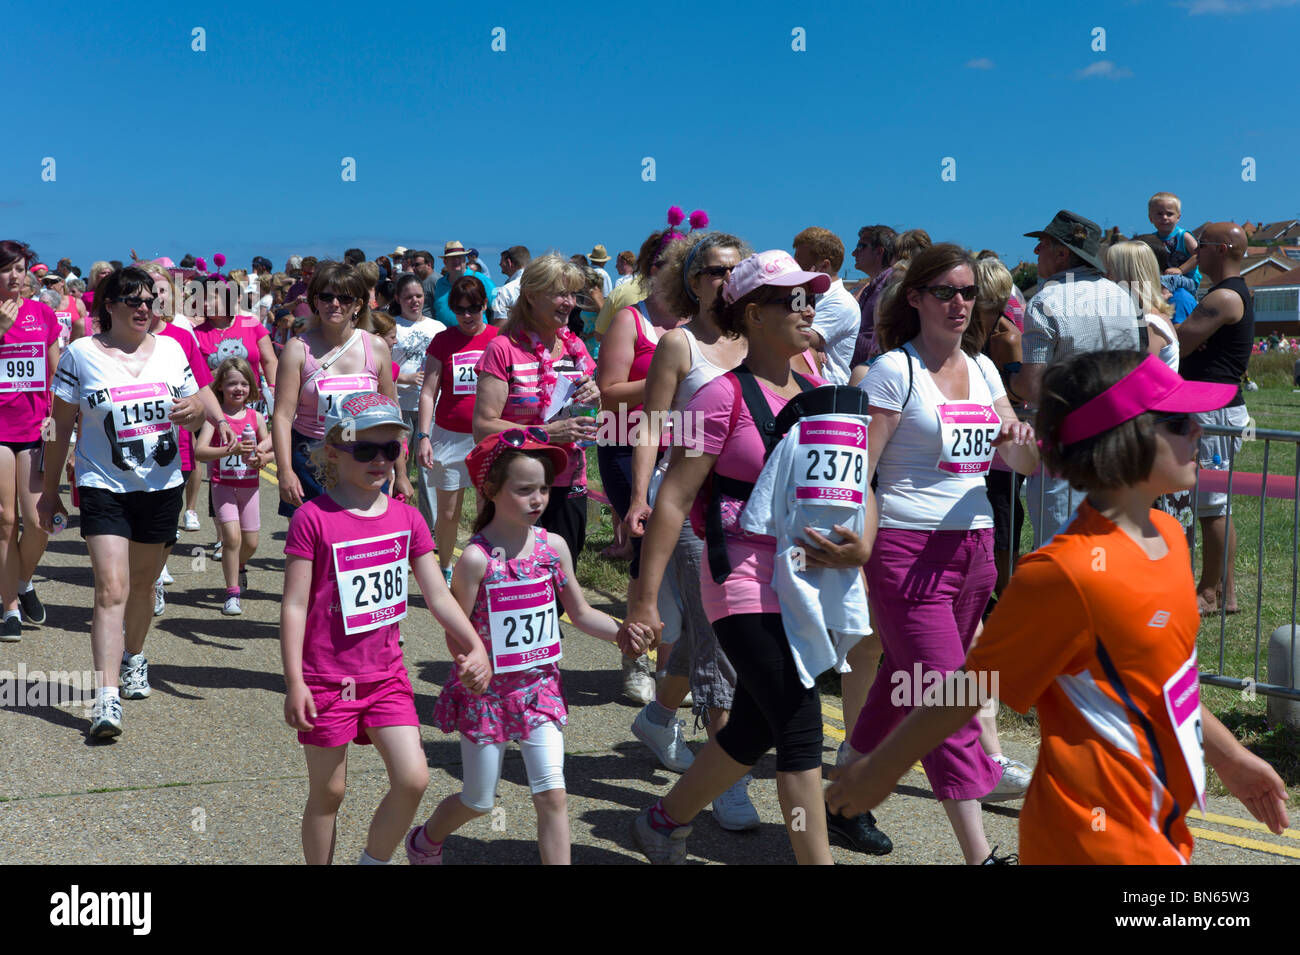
[{"x": 1151, "y": 386}]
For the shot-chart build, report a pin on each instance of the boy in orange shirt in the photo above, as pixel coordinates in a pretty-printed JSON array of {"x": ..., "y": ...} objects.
[{"x": 1098, "y": 630}]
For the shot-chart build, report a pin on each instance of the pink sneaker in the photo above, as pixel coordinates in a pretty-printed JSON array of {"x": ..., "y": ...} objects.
[{"x": 418, "y": 856}]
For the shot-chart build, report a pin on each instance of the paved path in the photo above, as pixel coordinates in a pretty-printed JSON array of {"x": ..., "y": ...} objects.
[{"x": 207, "y": 770}]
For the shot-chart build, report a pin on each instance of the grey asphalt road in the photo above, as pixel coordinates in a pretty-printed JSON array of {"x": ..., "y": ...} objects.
[{"x": 208, "y": 772}]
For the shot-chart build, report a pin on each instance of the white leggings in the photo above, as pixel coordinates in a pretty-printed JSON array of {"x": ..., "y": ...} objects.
[{"x": 543, "y": 758}]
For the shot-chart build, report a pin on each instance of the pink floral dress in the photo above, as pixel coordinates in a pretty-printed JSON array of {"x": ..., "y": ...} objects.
[{"x": 514, "y": 702}]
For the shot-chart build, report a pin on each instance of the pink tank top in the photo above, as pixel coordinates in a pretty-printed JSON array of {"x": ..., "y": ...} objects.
[
  {"x": 319, "y": 389},
  {"x": 231, "y": 470},
  {"x": 643, "y": 351}
]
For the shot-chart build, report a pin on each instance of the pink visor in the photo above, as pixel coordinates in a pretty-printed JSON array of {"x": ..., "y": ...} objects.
[{"x": 1151, "y": 386}]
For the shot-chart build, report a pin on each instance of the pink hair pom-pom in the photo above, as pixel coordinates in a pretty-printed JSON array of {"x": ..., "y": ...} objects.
[
  {"x": 201, "y": 264},
  {"x": 221, "y": 259},
  {"x": 699, "y": 219},
  {"x": 675, "y": 216}
]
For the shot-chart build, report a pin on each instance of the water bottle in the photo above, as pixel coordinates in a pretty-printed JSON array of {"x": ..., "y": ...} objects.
[
  {"x": 582, "y": 410},
  {"x": 249, "y": 435}
]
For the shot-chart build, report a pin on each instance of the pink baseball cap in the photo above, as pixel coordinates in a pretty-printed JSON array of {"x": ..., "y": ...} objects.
[
  {"x": 773, "y": 267},
  {"x": 1151, "y": 386}
]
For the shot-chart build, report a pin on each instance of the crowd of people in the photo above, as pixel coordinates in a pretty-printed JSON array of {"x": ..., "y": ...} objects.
[{"x": 825, "y": 480}]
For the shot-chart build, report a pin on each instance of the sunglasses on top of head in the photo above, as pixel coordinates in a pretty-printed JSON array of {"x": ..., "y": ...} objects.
[
  {"x": 516, "y": 437},
  {"x": 363, "y": 452}
]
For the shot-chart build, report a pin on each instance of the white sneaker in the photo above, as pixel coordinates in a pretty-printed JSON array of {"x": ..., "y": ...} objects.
[
  {"x": 135, "y": 680},
  {"x": 232, "y": 607},
  {"x": 106, "y": 717},
  {"x": 638, "y": 684},
  {"x": 159, "y": 598},
  {"x": 191, "y": 521},
  {"x": 216, "y": 551},
  {"x": 1014, "y": 782},
  {"x": 654, "y": 845},
  {"x": 166, "y": 576},
  {"x": 733, "y": 811},
  {"x": 664, "y": 741}
]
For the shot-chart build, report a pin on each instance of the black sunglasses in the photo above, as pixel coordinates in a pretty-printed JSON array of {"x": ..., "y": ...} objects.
[
  {"x": 363, "y": 452},
  {"x": 1179, "y": 424},
  {"x": 135, "y": 301},
  {"x": 516, "y": 437},
  {"x": 718, "y": 271},
  {"x": 327, "y": 297},
  {"x": 464, "y": 309},
  {"x": 946, "y": 293}
]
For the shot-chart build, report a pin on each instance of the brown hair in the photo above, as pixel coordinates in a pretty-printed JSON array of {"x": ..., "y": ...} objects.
[
  {"x": 241, "y": 365},
  {"x": 467, "y": 289},
  {"x": 1119, "y": 457},
  {"x": 496, "y": 477},
  {"x": 670, "y": 283},
  {"x": 344, "y": 280},
  {"x": 898, "y": 322},
  {"x": 910, "y": 243},
  {"x": 823, "y": 244}
]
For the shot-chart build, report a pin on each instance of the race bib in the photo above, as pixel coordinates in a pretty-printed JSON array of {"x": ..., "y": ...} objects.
[
  {"x": 371, "y": 577},
  {"x": 1183, "y": 703},
  {"x": 22, "y": 367},
  {"x": 525, "y": 629},
  {"x": 831, "y": 462},
  {"x": 233, "y": 467},
  {"x": 463, "y": 377},
  {"x": 967, "y": 431},
  {"x": 140, "y": 411},
  {"x": 329, "y": 390}
]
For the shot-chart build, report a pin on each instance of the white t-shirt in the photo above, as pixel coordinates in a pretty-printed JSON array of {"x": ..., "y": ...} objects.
[
  {"x": 413, "y": 340},
  {"x": 913, "y": 493},
  {"x": 838, "y": 319},
  {"x": 127, "y": 442}
]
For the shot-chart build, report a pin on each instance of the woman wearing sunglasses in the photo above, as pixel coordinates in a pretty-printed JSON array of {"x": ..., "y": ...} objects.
[
  {"x": 523, "y": 374},
  {"x": 939, "y": 413},
  {"x": 337, "y": 355},
  {"x": 131, "y": 388}
]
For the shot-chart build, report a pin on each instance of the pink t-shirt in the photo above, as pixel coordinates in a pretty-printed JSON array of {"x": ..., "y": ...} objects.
[
  {"x": 239, "y": 340},
  {"x": 740, "y": 456},
  {"x": 459, "y": 354},
  {"x": 329, "y": 653},
  {"x": 509, "y": 360},
  {"x": 25, "y": 371}
]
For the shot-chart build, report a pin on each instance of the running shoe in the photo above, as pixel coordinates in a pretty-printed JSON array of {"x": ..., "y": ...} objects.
[
  {"x": 243, "y": 579},
  {"x": 665, "y": 742},
  {"x": 859, "y": 832},
  {"x": 657, "y": 847},
  {"x": 232, "y": 607},
  {"x": 166, "y": 576},
  {"x": 417, "y": 856},
  {"x": 135, "y": 680},
  {"x": 995, "y": 859},
  {"x": 31, "y": 606},
  {"x": 638, "y": 684},
  {"x": 191, "y": 521},
  {"x": 216, "y": 551},
  {"x": 106, "y": 717},
  {"x": 11, "y": 631},
  {"x": 733, "y": 811},
  {"x": 1013, "y": 784},
  {"x": 159, "y": 598}
]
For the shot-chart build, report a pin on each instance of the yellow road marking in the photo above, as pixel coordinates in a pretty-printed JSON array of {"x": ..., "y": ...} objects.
[
  {"x": 1239, "y": 823},
  {"x": 1289, "y": 851}
]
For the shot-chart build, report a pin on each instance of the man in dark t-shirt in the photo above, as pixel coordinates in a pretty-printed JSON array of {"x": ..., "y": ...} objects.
[{"x": 1215, "y": 343}]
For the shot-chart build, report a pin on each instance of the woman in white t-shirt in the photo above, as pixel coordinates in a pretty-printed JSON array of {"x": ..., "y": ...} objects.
[
  {"x": 415, "y": 333},
  {"x": 938, "y": 414},
  {"x": 132, "y": 389}
]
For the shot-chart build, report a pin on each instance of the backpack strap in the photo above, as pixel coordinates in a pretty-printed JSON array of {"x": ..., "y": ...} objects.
[{"x": 910, "y": 377}]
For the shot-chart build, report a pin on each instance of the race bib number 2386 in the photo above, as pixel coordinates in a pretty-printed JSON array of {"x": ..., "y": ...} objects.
[{"x": 372, "y": 580}]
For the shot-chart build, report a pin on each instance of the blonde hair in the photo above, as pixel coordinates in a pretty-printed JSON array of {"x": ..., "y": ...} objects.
[
  {"x": 1165, "y": 197},
  {"x": 384, "y": 323},
  {"x": 1133, "y": 266},
  {"x": 544, "y": 275},
  {"x": 158, "y": 272},
  {"x": 369, "y": 272},
  {"x": 994, "y": 283}
]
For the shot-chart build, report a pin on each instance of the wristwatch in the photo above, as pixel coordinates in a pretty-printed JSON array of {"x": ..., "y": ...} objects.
[{"x": 421, "y": 434}]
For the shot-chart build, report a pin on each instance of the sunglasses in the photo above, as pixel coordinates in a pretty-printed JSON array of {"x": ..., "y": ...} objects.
[
  {"x": 516, "y": 437},
  {"x": 795, "y": 300},
  {"x": 135, "y": 301},
  {"x": 327, "y": 297},
  {"x": 464, "y": 309},
  {"x": 718, "y": 271},
  {"x": 363, "y": 452},
  {"x": 946, "y": 293},
  {"x": 1179, "y": 424}
]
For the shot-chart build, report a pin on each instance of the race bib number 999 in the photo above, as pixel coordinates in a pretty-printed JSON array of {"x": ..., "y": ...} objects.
[
  {"x": 831, "y": 464},
  {"x": 372, "y": 580},
  {"x": 968, "y": 431},
  {"x": 525, "y": 629}
]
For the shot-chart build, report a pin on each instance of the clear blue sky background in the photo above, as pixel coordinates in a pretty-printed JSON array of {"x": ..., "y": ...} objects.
[{"x": 238, "y": 149}]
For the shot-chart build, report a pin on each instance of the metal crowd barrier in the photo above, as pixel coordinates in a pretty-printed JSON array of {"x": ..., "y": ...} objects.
[{"x": 1283, "y": 487}]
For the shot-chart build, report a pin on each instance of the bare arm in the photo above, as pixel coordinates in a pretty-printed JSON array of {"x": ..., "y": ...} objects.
[
  {"x": 428, "y": 402},
  {"x": 269, "y": 362},
  {"x": 668, "y": 367},
  {"x": 593, "y": 622},
  {"x": 299, "y": 707},
  {"x": 1249, "y": 778},
  {"x": 617, "y": 350},
  {"x": 1015, "y": 440},
  {"x": 1219, "y": 308}
]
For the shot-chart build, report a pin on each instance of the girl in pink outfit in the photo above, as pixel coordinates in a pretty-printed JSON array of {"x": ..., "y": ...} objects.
[
  {"x": 507, "y": 581},
  {"x": 347, "y": 554},
  {"x": 234, "y": 477}
]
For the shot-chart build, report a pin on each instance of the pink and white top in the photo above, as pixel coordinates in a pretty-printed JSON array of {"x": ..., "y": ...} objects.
[
  {"x": 358, "y": 586},
  {"x": 25, "y": 372},
  {"x": 320, "y": 388},
  {"x": 177, "y": 330},
  {"x": 506, "y": 358},
  {"x": 231, "y": 469},
  {"x": 740, "y": 456}
]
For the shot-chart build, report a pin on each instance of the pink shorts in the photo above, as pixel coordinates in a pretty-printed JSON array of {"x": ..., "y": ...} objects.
[
  {"x": 236, "y": 504},
  {"x": 341, "y": 720}
]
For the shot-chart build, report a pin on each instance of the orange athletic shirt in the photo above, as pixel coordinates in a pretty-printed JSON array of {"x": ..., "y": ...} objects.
[{"x": 1090, "y": 630}]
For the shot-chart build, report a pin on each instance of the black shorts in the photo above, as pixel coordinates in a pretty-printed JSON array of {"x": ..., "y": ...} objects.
[
  {"x": 145, "y": 517},
  {"x": 566, "y": 515},
  {"x": 1005, "y": 529},
  {"x": 16, "y": 446}
]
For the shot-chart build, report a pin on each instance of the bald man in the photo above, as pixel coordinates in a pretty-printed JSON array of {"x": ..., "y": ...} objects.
[{"x": 1215, "y": 344}]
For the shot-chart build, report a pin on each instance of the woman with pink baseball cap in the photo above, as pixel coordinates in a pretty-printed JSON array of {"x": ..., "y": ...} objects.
[{"x": 768, "y": 300}]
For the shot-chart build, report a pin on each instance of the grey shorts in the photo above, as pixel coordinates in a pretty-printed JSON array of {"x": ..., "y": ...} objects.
[
  {"x": 697, "y": 652},
  {"x": 1215, "y": 503}
]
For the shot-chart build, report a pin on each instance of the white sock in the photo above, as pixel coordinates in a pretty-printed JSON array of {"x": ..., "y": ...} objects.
[
  {"x": 996, "y": 757},
  {"x": 368, "y": 859},
  {"x": 107, "y": 692},
  {"x": 24, "y": 586},
  {"x": 13, "y": 613}
]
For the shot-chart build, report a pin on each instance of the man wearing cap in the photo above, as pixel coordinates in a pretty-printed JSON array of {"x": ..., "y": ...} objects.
[
  {"x": 598, "y": 258},
  {"x": 1215, "y": 344},
  {"x": 1077, "y": 309},
  {"x": 838, "y": 317},
  {"x": 398, "y": 258},
  {"x": 513, "y": 262},
  {"x": 455, "y": 262}
]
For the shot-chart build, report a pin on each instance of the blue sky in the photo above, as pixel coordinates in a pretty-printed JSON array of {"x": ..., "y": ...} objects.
[{"x": 239, "y": 148}]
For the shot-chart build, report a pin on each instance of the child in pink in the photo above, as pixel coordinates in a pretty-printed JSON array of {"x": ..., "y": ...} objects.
[
  {"x": 508, "y": 580},
  {"x": 348, "y": 552}
]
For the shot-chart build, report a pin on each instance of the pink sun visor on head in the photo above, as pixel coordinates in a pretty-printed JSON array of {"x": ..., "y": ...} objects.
[{"x": 1151, "y": 386}]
